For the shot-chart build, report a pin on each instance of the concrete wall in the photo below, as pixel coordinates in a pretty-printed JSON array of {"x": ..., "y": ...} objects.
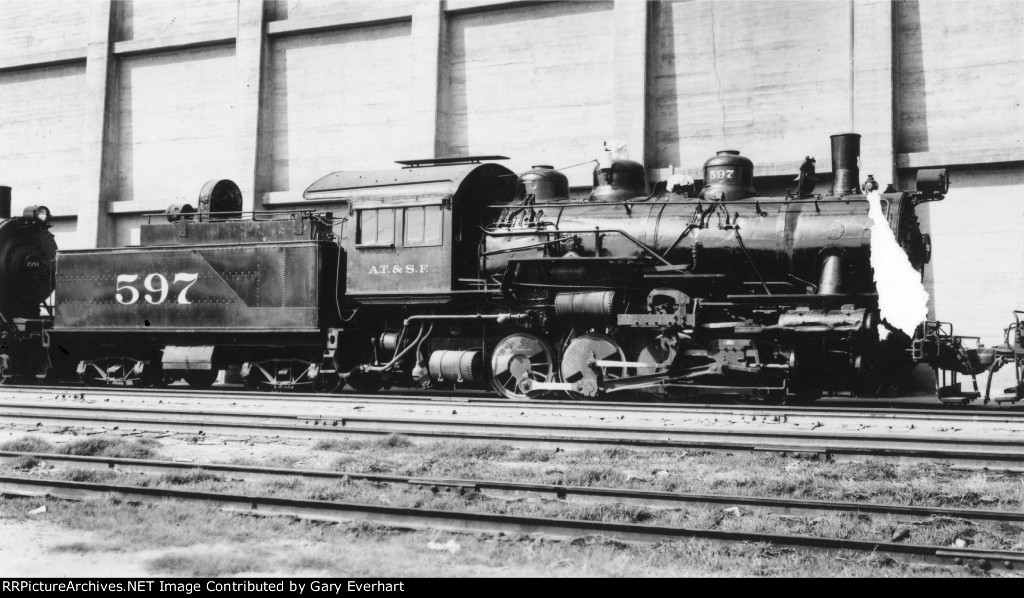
[
  {"x": 737, "y": 75},
  {"x": 533, "y": 85},
  {"x": 339, "y": 100},
  {"x": 114, "y": 109}
]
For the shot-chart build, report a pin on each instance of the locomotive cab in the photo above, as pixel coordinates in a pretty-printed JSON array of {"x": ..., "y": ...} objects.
[{"x": 414, "y": 232}]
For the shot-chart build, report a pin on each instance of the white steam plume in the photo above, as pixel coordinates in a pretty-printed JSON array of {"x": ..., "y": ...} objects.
[{"x": 902, "y": 300}]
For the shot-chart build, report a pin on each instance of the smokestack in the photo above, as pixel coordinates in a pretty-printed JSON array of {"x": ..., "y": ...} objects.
[
  {"x": 5, "y": 202},
  {"x": 845, "y": 170}
]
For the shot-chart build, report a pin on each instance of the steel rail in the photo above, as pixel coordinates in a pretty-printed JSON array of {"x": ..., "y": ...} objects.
[
  {"x": 460, "y": 521},
  {"x": 940, "y": 413},
  {"x": 763, "y": 436},
  {"x": 979, "y": 452},
  {"x": 554, "y": 492}
]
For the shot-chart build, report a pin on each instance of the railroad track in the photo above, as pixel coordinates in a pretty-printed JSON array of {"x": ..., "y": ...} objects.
[
  {"x": 940, "y": 414},
  {"x": 975, "y": 451},
  {"x": 461, "y": 521},
  {"x": 654, "y": 499}
]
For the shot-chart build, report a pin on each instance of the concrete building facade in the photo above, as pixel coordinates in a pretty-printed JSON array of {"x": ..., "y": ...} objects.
[{"x": 114, "y": 109}]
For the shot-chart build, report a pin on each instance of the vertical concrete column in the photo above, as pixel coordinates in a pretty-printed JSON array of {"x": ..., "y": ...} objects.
[
  {"x": 430, "y": 79},
  {"x": 873, "y": 75},
  {"x": 631, "y": 87},
  {"x": 250, "y": 58},
  {"x": 99, "y": 166}
]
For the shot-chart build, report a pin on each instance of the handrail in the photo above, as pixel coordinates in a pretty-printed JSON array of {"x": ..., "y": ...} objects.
[{"x": 597, "y": 231}]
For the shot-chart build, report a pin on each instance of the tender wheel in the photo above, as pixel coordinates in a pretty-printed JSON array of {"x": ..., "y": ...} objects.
[
  {"x": 327, "y": 382},
  {"x": 578, "y": 356},
  {"x": 201, "y": 378},
  {"x": 517, "y": 358},
  {"x": 365, "y": 381}
]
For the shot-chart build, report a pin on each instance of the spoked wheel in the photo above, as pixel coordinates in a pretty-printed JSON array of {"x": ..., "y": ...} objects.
[
  {"x": 328, "y": 382},
  {"x": 519, "y": 357},
  {"x": 579, "y": 354},
  {"x": 200, "y": 378},
  {"x": 649, "y": 349}
]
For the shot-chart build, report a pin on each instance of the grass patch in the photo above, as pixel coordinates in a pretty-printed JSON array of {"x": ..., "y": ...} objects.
[
  {"x": 391, "y": 441},
  {"x": 188, "y": 478},
  {"x": 94, "y": 476},
  {"x": 141, "y": 448},
  {"x": 27, "y": 444},
  {"x": 612, "y": 512},
  {"x": 534, "y": 455},
  {"x": 206, "y": 564},
  {"x": 491, "y": 451},
  {"x": 27, "y": 462},
  {"x": 287, "y": 546}
]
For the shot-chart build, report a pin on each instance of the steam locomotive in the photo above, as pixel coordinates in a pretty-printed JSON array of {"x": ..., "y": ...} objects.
[{"x": 457, "y": 273}]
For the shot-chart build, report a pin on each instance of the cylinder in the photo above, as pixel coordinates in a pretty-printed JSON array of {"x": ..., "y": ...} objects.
[
  {"x": 596, "y": 308},
  {"x": 456, "y": 366},
  {"x": 5, "y": 202},
  {"x": 831, "y": 275},
  {"x": 845, "y": 156}
]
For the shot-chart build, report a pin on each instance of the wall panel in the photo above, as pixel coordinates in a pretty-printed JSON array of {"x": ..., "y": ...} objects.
[
  {"x": 532, "y": 83},
  {"x": 770, "y": 79},
  {"x": 40, "y": 27},
  {"x": 341, "y": 9},
  {"x": 176, "y": 126},
  {"x": 975, "y": 278},
  {"x": 337, "y": 101},
  {"x": 41, "y": 123},
  {"x": 144, "y": 19},
  {"x": 960, "y": 83}
]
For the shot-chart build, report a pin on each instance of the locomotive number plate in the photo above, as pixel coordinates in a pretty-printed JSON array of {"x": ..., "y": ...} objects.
[{"x": 157, "y": 286}]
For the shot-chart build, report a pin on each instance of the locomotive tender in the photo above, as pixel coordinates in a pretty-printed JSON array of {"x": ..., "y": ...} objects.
[{"x": 458, "y": 273}]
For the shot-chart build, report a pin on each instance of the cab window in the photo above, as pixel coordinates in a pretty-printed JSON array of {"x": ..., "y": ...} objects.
[
  {"x": 423, "y": 226},
  {"x": 376, "y": 227}
]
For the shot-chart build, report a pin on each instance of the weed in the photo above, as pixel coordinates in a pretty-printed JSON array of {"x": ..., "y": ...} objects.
[
  {"x": 27, "y": 462},
  {"x": 27, "y": 444},
  {"x": 95, "y": 476},
  {"x": 188, "y": 478},
  {"x": 534, "y": 455},
  {"x": 143, "y": 448},
  {"x": 391, "y": 441}
]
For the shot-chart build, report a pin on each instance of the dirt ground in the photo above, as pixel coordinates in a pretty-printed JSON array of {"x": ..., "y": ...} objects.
[{"x": 42, "y": 549}]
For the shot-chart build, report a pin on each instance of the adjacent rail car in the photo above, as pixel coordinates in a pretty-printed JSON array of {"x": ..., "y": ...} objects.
[{"x": 27, "y": 250}]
